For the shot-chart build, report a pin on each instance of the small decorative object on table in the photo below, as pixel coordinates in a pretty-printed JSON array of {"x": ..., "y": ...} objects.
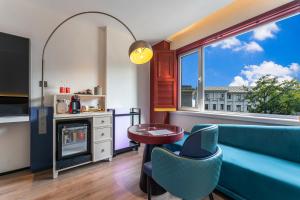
[
  {"x": 97, "y": 90},
  {"x": 84, "y": 108},
  {"x": 61, "y": 106},
  {"x": 74, "y": 107},
  {"x": 88, "y": 92}
]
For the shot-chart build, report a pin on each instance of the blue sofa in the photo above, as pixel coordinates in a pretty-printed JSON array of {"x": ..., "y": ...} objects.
[{"x": 259, "y": 162}]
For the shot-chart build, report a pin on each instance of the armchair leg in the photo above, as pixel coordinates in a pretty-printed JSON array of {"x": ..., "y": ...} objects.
[
  {"x": 149, "y": 187},
  {"x": 211, "y": 196}
]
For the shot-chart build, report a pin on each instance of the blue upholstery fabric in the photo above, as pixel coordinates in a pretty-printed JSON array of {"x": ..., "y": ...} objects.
[
  {"x": 260, "y": 162},
  {"x": 177, "y": 146},
  {"x": 148, "y": 168},
  {"x": 279, "y": 141},
  {"x": 186, "y": 178},
  {"x": 201, "y": 143},
  {"x": 257, "y": 176},
  {"x": 198, "y": 127}
]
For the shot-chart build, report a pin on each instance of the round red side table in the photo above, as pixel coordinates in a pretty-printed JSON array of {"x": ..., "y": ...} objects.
[{"x": 153, "y": 135}]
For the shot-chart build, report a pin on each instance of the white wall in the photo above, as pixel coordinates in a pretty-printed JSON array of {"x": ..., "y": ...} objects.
[
  {"x": 121, "y": 73},
  {"x": 143, "y": 91},
  {"x": 187, "y": 121},
  {"x": 76, "y": 53}
]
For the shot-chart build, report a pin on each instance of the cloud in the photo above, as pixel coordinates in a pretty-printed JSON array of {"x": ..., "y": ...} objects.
[
  {"x": 295, "y": 67},
  {"x": 251, "y": 73},
  {"x": 238, "y": 81},
  {"x": 237, "y": 45},
  {"x": 265, "y": 31},
  {"x": 250, "y": 47},
  {"x": 227, "y": 43}
]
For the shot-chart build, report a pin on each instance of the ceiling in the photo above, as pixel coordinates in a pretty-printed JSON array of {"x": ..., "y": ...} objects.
[{"x": 151, "y": 20}]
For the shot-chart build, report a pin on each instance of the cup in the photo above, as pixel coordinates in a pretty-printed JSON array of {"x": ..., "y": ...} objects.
[
  {"x": 68, "y": 90},
  {"x": 62, "y": 90}
]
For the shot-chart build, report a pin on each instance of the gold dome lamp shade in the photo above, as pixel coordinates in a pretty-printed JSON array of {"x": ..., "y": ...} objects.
[{"x": 140, "y": 52}]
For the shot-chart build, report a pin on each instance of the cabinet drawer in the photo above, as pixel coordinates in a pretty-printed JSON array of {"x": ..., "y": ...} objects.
[
  {"x": 102, "y": 133},
  {"x": 102, "y": 150},
  {"x": 101, "y": 121}
]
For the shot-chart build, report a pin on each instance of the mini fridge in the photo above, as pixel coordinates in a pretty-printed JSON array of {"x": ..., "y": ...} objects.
[{"x": 73, "y": 142}]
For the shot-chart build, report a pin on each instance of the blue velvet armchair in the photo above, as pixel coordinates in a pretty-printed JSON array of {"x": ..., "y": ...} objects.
[{"x": 192, "y": 173}]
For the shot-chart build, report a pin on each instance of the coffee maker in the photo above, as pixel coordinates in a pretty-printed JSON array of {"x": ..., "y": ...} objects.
[{"x": 74, "y": 107}]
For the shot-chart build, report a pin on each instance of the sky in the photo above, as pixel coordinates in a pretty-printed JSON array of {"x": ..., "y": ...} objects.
[{"x": 273, "y": 49}]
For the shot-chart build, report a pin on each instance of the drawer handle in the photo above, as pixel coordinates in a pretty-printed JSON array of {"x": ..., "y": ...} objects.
[
  {"x": 102, "y": 150},
  {"x": 102, "y": 134},
  {"x": 102, "y": 121}
]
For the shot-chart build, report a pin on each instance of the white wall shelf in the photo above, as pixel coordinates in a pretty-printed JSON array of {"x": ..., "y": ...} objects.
[
  {"x": 80, "y": 115},
  {"x": 14, "y": 119}
]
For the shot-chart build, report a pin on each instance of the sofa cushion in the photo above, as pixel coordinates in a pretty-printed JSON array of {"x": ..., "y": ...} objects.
[
  {"x": 279, "y": 141},
  {"x": 257, "y": 176}
]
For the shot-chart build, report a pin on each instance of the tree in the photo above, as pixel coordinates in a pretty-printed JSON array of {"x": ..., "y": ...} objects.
[{"x": 274, "y": 97}]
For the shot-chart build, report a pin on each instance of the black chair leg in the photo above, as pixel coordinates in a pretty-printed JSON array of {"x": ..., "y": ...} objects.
[
  {"x": 211, "y": 196},
  {"x": 149, "y": 187}
]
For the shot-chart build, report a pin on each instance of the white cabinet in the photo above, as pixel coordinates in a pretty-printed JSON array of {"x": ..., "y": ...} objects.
[
  {"x": 102, "y": 150},
  {"x": 102, "y": 121},
  {"x": 102, "y": 133},
  {"x": 102, "y": 138}
]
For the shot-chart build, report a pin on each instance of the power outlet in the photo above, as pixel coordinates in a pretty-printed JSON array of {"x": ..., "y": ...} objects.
[{"x": 42, "y": 120}]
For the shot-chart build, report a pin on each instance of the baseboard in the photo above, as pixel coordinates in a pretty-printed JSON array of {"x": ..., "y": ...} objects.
[{"x": 14, "y": 171}]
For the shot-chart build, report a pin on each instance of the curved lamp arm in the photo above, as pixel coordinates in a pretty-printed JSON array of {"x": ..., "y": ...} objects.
[{"x": 42, "y": 83}]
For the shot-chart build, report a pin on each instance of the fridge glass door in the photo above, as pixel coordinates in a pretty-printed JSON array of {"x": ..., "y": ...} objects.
[{"x": 74, "y": 140}]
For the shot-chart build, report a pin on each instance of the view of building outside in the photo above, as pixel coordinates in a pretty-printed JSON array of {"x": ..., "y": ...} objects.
[
  {"x": 230, "y": 99},
  {"x": 189, "y": 80},
  {"x": 257, "y": 71}
]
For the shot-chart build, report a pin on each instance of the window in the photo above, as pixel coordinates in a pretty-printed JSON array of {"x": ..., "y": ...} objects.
[
  {"x": 228, "y": 107},
  {"x": 189, "y": 80},
  {"x": 262, "y": 61},
  {"x": 207, "y": 97},
  {"x": 248, "y": 107},
  {"x": 206, "y": 106},
  {"x": 222, "y": 106},
  {"x": 214, "y": 106}
]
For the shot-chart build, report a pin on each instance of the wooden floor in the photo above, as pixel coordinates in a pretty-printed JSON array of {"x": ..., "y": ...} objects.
[{"x": 105, "y": 180}]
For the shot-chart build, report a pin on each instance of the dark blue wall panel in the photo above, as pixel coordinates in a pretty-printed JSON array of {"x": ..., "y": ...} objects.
[{"x": 41, "y": 144}]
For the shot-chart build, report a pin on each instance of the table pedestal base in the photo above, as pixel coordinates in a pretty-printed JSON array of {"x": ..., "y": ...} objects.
[{"x": 155, "y": 188}]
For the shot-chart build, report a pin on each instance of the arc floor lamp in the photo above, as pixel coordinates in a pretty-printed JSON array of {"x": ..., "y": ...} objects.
[{"x": 140, "y": 52}]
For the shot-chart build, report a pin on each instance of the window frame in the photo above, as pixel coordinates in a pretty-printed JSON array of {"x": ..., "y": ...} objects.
[
  {"x": 200, "y": 94},
  {"x": 280, "y": 13}
]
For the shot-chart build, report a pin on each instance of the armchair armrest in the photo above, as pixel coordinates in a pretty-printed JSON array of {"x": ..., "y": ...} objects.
[
  {"x": 198, "y": 127},
  {"x": 185, "y": 177}
]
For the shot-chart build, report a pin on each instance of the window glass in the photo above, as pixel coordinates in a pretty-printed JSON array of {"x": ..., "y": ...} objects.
[
  {"x": 259, "y": 70},
  {"x": 189, "y": 80},
  {"x": 228, "y": 108},
  {"x": 206, "y": 106},
  {"x": 222, "y": 106},
  {"x": 214, "y": 107}
]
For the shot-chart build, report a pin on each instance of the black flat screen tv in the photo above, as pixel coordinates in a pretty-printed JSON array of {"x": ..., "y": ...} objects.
[{"x": 14, "y": 75}]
